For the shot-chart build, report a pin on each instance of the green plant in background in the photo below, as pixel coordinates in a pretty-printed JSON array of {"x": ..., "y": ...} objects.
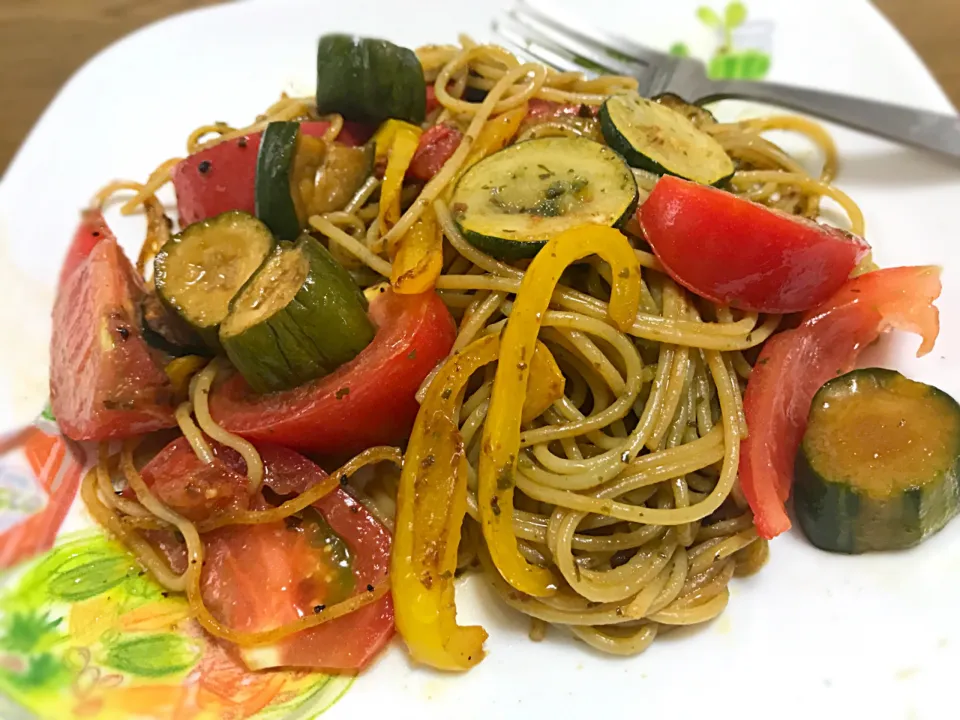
[{"x": 727, "y": 62}]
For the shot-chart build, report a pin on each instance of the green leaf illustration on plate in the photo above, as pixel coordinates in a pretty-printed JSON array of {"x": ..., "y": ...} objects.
[
  {"x": 43, "y": 671},
  {"x": 729, "y": 62},
  {"x": 30, "y": 631},
  {"x": 85, "y": 632},
  {"x": 152, "y": 655}
]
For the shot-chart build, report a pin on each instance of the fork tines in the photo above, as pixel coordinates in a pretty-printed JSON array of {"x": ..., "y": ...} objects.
[{"x": 533, "y": 34}]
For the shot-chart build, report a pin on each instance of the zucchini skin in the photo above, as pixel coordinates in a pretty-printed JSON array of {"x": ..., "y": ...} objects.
[
  {"x": 838, "y": 517},
  {"x": 322, "y": 327},
  {"x": 635, "y": 158},
  {"x": 369, "y": 80},
  {"x": 515, "y": 250},
  {"x": 273, "y": 201}
]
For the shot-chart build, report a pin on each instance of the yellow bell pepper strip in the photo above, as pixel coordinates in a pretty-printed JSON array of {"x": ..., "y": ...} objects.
[
  {"x": 501, "y": 432},
  {"x": 181, "y": 371},
  {"x": 419, "y": 256},
  {"x": 545, "y": 386},
  {"x": 431, "y": 503},
  {"x": 396, "y": 142}
]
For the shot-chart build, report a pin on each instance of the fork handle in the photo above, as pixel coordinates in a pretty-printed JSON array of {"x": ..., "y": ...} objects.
[{"x": 919, "y": 128}]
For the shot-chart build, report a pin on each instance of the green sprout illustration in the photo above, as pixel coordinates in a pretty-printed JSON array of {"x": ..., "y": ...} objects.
[{"x": 728, "y": 63}]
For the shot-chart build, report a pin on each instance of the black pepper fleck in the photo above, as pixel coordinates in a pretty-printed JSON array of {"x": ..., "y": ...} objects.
[
  {"x": 123, "y": 332},
  {"x": 369, "y": 588},
  {"x": 342, "y": 392},
  {"x": 343, "y": 479},
  {"x": 242, "y": 142},
  {"x": 447, "y": 392},
  {"x": 204, "y": 167},
  {"x": 96, "y": 233},
  {"x": 319, "y": 608}
]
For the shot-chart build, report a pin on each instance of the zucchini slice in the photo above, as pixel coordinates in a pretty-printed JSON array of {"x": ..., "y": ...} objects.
[
  {"x": 299, "y": 317},
  {"x": 165, "y": 330},
  {"x": 512, "y": 202},
  {"x": 300, "y": 175},
  {"x": 199, "y": 271},
  {"x": 694, "y": 113},
  {"x": 369, "y": 80},
  {"x": 878, "y": 466},
  {"x": 654, "y": 137},
  {"x": 273, "y": 197}
]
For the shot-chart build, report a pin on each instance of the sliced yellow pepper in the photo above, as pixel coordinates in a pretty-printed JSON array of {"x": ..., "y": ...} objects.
[
  {"x": 396, "y": 141},
  {"x": 431, "y": 502},
  {"x": 501, "y": 432},
  {"x": 545, "y": 386},
  {"x": 494, "y": 136},
  {"x": 419, "y": 256},
  {"x": 182, "y": 369}
]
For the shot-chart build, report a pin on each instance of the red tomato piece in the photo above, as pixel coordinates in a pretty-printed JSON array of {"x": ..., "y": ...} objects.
[
  {"x": 432, "y": 102},
  {"x": 258, "y": 577},
  {"x": 92, "y": 229},
  {"x": 794, "y": 364},
  {"x": 540, "y": 110},
  {"x": 222, "y": 178},
  {"x": 437, "y": 145},
  {"x": 192, "y": 488},
  {"x": 368, "y": 401},
  {"x": 736, "y": 252},
  {"x": 105, "y": 381}
]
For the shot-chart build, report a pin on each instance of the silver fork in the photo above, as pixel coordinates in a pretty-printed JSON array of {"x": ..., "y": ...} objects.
[{"x": 535, "y": 35}]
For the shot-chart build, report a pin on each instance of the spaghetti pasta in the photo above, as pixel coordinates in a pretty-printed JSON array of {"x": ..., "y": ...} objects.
[{"x": 616, "y": 513}]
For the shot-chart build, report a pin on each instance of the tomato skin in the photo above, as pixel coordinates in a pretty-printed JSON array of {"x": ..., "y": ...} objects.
[
  {"x": 368, "y": 401},
  {"x": 105, "y": 381},
  {"x": 436, "y": 146},
  {"x": 432, "y": 102},
  {"x": 794, "y": 364},
  {"x": 230, "y": 170},
  {"x": 540, "y": 110},
  {"x": 92, "y": 229},
  {"x": 190, "y": 487},
  {"x": 258, "y": 577},
  {"x": 736, "y": 252}
]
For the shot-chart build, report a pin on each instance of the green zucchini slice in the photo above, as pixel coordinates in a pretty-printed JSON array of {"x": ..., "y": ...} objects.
[
  {"x": 299, "y": 317},
  {"x": 512, "y": 202},
  {"x": 300, "y": 175},
  {"x": 694, "y": 113},
  {"x": 272, "y": 188},
  {"x": 879, "y": 462},
  {"x": 369, "y": 80},
  {"x": 654, "y": 137},
  {"x": 199, "y": 271}
]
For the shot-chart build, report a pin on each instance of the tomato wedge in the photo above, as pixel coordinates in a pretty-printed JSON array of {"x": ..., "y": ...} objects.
[
  {"x": 222, "y": 178},
  {"x": 436, "y": 146},
  {"x": 92, "y": 229},
  {"x": 736, "y": 252},
  {"x": 258, "y": 577},
  {"x": 794, "y": 364},
  {"x": 368, "y": 401},
  {"x": 105, "y": 381}
]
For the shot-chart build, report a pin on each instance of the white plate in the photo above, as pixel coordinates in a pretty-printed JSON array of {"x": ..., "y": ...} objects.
[{"x": 875, "y": 636}]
